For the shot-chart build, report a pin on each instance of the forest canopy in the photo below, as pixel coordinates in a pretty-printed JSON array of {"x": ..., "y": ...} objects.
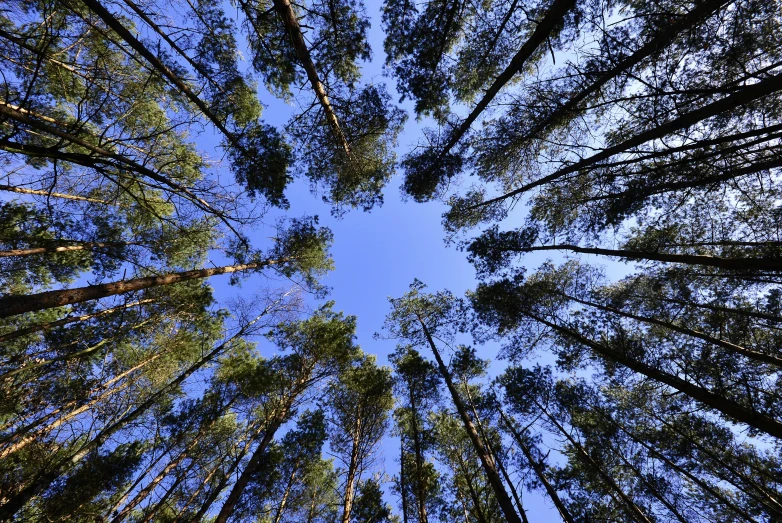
[{"x": 611, "y": 170}]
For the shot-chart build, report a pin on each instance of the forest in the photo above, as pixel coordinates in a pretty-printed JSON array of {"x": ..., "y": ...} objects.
[{"x": 186, "y": 319}]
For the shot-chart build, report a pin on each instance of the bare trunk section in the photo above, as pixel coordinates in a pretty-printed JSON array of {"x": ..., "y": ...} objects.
[
  {"x": 729, "y": 408},
  {"x": 50, "y": 194},
  {"x": 757, "y": 356},
  {"x": 734, "y": 264},
  {"x": 13, "y": 305},
  {"x": 538, "y": 469},
  {"x": 480, "y": 448},
  {"x": 738, "y": 99},
  {"x": 350, "y": 483},
  {"x": 288, "y": 17},
  {"x": 553, "y": 16},
  {"x": 70, "y": 319},
  {"x": 45, "y": 479},
  {"x": 633, "y": 510}
]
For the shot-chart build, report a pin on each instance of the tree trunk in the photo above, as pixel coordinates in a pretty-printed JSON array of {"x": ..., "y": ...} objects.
[
  {"x": 288, "y": 17},
  {"x": 687, "y": 474},
  {"x": 659, "y": 42},
  {"x": 49, "y": 194},
  {"x": 729, "y": 408},
  {"x": 633, "y": 510},
  {"x": 542, "y": 32},
  {"x": 255, "y": 461},
  {"x": 44, "y": 479},
  {"x": 402, "y": 478},
  {"x": 538, "y": 469},
  {"x": 350, "y": 482},
  {"x": 745, "y": 96},
  {"x": 13, "y": 305},
  {"x": 757, "y": 356},
  {"x": 86, "y": 246},
  {"x": 284, "y": 500},
  {"x": 480, "y": 448},
  {"x": 734, "y": 264},
  {"x": 422, "y": 518},
  {"x": 70, "y": 319}
]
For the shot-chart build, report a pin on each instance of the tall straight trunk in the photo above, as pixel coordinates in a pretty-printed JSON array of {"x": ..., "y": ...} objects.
[
  {"x": 660, "y": 497},
  {"x": 487, "y": 462},
  {"x": 143, "y": 493},
  {"x": 281, "y": 507},
  {"x": 717, "y": 308},
  {"x": 85, "y": 246},
  {"x": 704, "y": 181},
  {"x": 70, "y": 319},
  {"x": 49, "y": 194},
  {"x": 422, "y": 518},
  {"x": 538, "y": 469},
  {"x": 476, "y": 500},
  {"x": 663, "y": 39},
  {"x": 556, "y": 11},
  {"x": 757, "y": 356},
  {"x": 733, "y": 264},
  {"x": 255, "y": 461},
  {"x": 13, "y": 305},
  {"x": 350, "y": 482},
  {"x": 682, "y": 471},
  {"x": 45, "y": 479},
  {"x": 633, "y": 510},
  {"x": 745, "y": 96},
  {"x": 115, "y": 25},
  {"x": 210, "y": 499},
  {"x": 402, "y": 478},
  {"x": 744, "y": 482},
  {"x": 100, "y": 156},
  {"x": 288, "y": 17},
  {"x": 26, "y": 366},
  {"x": 729, "y": 408},
  {"x": 25, "y": 431},
  {"x": 497, "y": 459}
]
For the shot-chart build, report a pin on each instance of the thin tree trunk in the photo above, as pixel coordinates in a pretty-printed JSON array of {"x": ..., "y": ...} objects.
[
  {"x": 702, "y": 484},
  {"x": 86, "y": 246},
  {"x": 115, "y": 25},
  {"x": 734, "y": 264},
  {"x": 757, "y": 356},
  {"x": 255, "y": 461},
  {"x": 716, "y": 308},
  {"x": 729, "y": 408},
  {"x": 402, "y": 478},
  {"x": 633, "y": 510},
  {"x": 13, "y": 305},
  {"x": 495, "y": 457},
  {"x": 538, "y": 469},
  {"x": 745, "y": 96},
  {"x": 288, "y": 17},
  {"x": 542, "y": 32},
  {"x": 44, "y": 479},
  {"x": 480, "y": 448},
  {"x": 49, "y": 194},
  {"x": 656, "y": 44},
  {"x": 284, "y": 500},
  {"x": 422, "y": 518},
  {"x": 350, "y": 482},
  {"x": 70, "y": 319}
]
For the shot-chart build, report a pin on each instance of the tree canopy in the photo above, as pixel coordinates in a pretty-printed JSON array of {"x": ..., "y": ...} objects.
[{"x": 610, "y": 169}]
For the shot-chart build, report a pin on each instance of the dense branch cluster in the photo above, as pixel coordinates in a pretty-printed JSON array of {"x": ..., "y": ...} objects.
[{"x": 633, "y": 147}]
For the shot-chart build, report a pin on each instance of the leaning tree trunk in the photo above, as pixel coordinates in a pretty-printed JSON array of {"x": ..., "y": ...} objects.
[
  {"x": 506, "y": 504},
  {"x": 13, "y": 305},
  {"x": 288, "y": 17}
]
